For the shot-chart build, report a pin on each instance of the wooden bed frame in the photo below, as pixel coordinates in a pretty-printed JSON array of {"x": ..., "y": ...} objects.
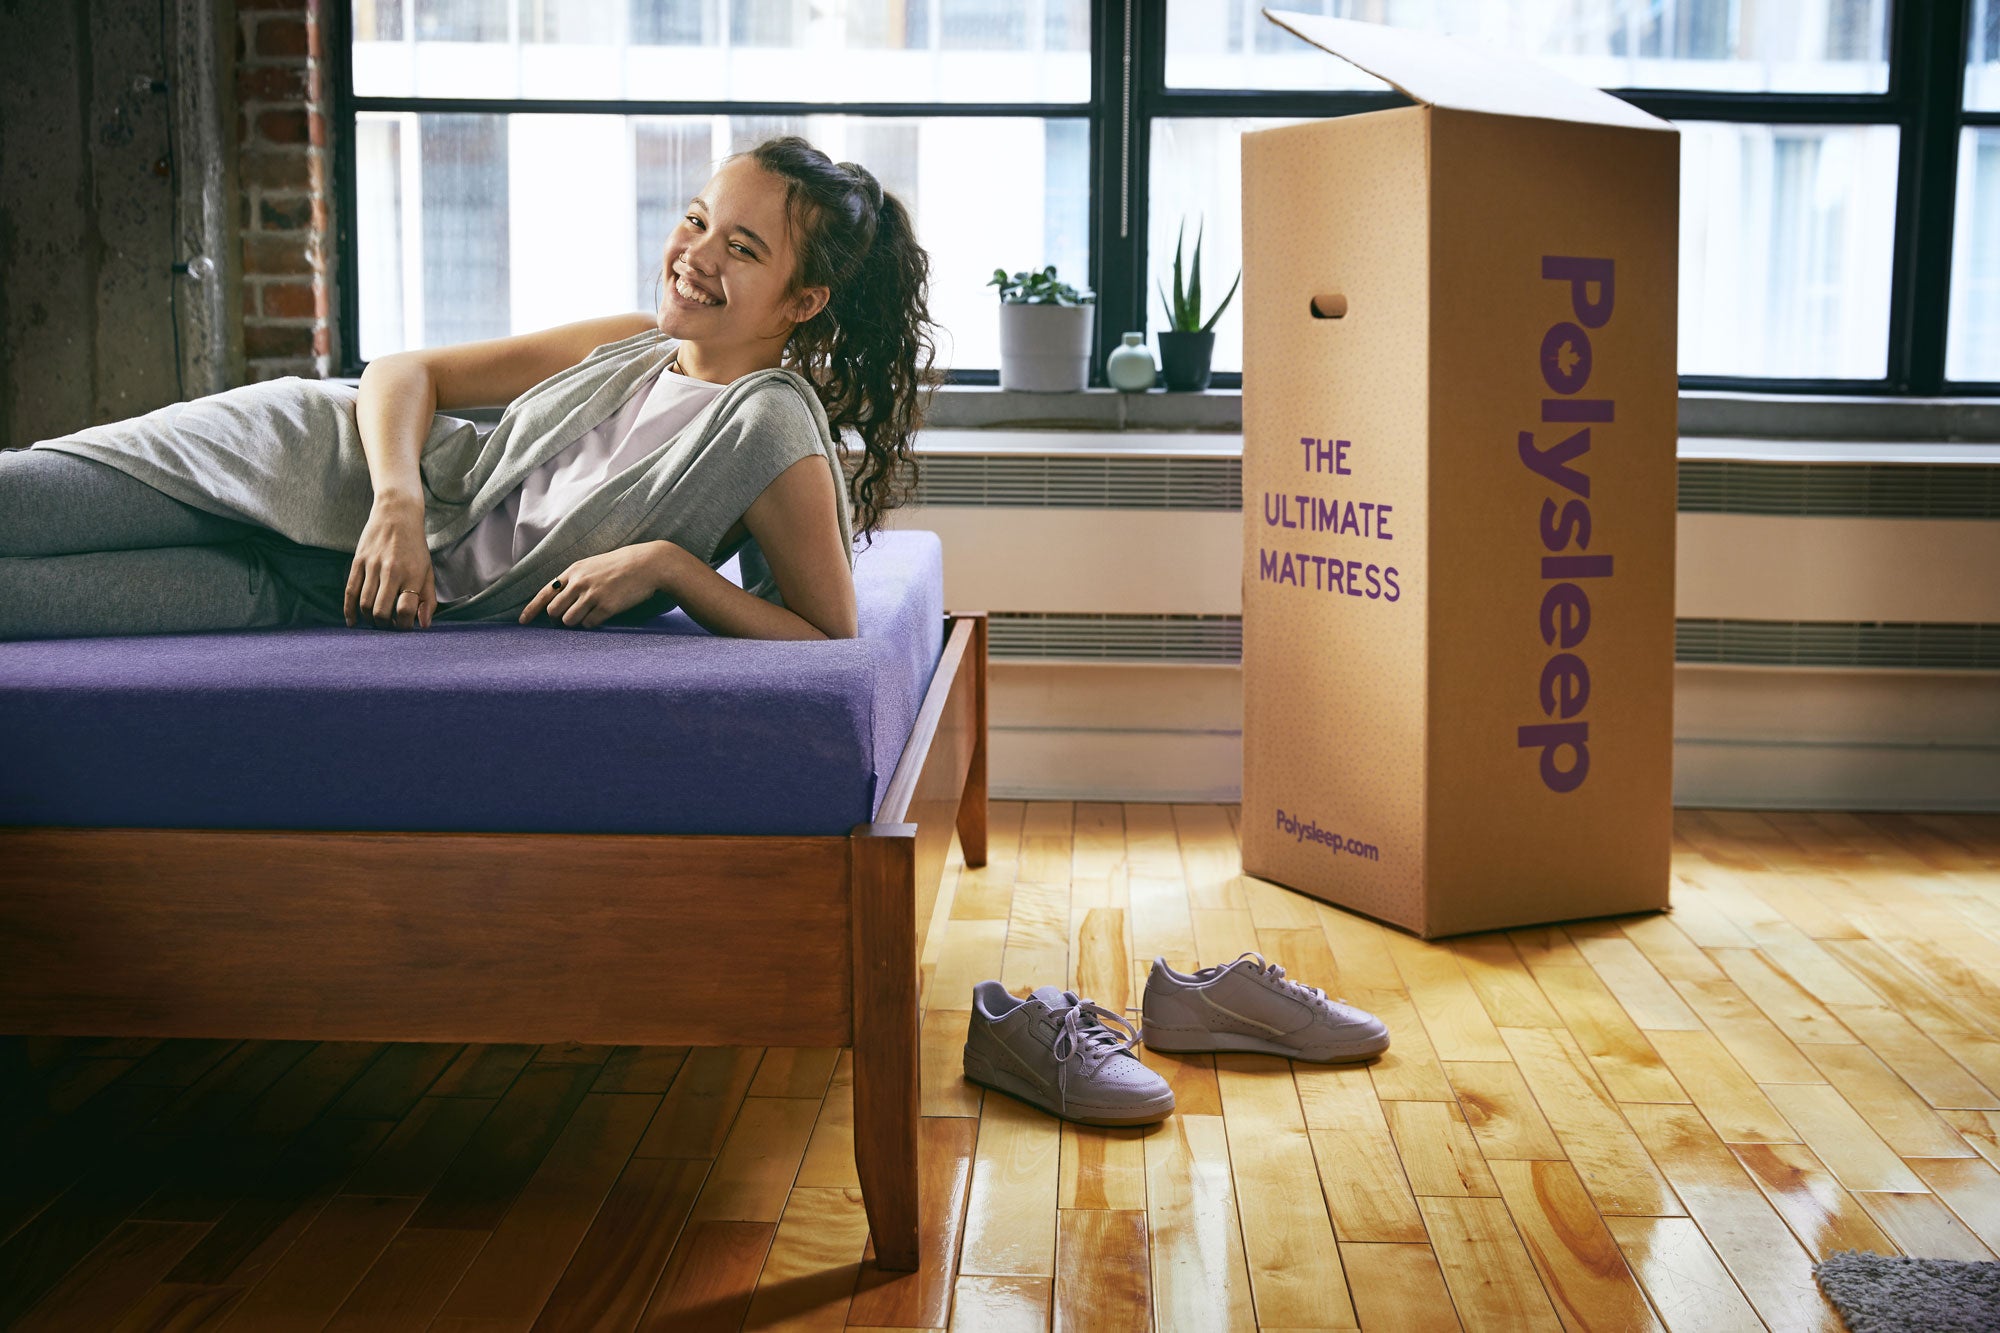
[{"x": 526, "y": 937}]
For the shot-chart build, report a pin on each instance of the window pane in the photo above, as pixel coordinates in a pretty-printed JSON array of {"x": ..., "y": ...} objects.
[
  {"x": 1787, "y": 232},
  {"x": 527, "y": 221},
  {"x": 1786, "y": 239},
  {"x": 717, "y": 50},
  {"x": 1972, "y": 351},
  {"x": 1775, "y": 46},
  {"x": 1982, "y": 65},
  {"x": 1198, "y": 176}
]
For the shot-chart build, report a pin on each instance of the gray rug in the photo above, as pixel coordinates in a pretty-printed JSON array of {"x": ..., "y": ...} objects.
[{"x": 1877, "y": 1293}]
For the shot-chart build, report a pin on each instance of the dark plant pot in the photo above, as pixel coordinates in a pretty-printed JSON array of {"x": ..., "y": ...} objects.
[{"x": 1184, "y": 358}]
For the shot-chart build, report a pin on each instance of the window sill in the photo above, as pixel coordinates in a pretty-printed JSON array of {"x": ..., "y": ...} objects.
[{"x": 1703, "y": 414}]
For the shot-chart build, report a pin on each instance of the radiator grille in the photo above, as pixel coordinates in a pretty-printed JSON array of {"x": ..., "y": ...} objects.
[
  {"x": 1824, "y": 644},
  {"x": 1826, "y": 490},
  {"x": 1114, "y": 638},
  {"x": 1031, "y": 636},
  {"x": 1707, "y": 486},
  {"x": 1025, "y": 481}
]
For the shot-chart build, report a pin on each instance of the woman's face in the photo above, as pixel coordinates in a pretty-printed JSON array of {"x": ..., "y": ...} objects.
[{"x": 733, "y": 246}]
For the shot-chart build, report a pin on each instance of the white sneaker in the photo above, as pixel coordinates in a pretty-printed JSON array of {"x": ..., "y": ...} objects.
[
  {"x": 1068, "y": 1055},
  {"x": 1250, "y": 1005}
]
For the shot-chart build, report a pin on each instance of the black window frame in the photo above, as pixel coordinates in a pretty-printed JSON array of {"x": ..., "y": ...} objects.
[{"x": 1929, "y": 44}]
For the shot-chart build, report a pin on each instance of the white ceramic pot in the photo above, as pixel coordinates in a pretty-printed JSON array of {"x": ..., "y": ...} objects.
[{"x": 1045, "y": 348}]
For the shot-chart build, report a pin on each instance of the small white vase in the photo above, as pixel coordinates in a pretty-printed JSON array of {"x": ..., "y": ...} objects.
[{"x": 1130, "y": 366}]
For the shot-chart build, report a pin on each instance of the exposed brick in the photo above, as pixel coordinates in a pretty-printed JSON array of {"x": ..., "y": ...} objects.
[
  {"x": 294, "y": 7},
  {"x": 322, "y": 340},
  {"x": 275, "y": 256},
  {"x": 275, "y": 169},
  {"x": 313, "y": 90},
  {"x": 285, "y": 212},
  {"x": 249, "y": 299},
  {"x": 263, "y": 341},
  {"x": 271, "y": 83},
  {"x": 285, "y": 126},
  {"x": 319, "y": 213},
  {"x": 318, "y": 129},
  {"x": 281, "y": 38},
  {"x": 289, "y": 300}
]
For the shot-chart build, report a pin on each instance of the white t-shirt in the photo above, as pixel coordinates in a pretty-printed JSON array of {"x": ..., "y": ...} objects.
[{"x": 657, "y": 409}]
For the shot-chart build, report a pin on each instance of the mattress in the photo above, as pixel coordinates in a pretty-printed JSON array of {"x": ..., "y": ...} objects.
[{"x": 654, "y": 727}]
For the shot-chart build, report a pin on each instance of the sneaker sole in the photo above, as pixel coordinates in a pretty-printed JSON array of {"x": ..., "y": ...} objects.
[
  {"x": 1200, "y": 1041},
  {"x": 979, "y": 1070}
]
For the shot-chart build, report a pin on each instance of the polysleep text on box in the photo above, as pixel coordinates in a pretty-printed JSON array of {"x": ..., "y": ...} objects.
[
  {"x": 1565, "y": 359},
  {"x": 1310, "y": 831}
]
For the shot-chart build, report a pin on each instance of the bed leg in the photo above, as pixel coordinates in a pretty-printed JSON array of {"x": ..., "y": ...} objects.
[
  {"x": 886, "y": 1037},
  {"x": 972, "y": 805}
]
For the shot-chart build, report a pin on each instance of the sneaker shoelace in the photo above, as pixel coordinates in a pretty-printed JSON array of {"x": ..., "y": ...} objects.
[
  {"x": 1275, "y": 973},
  {"x": 1084, "y": 1032}
]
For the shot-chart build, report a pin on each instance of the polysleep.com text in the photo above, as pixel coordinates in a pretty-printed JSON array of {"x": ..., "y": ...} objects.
[{"x": 1310, "y": 831}]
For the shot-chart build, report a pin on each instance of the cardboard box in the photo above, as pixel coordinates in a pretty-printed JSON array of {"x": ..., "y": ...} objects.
[{"x": 1458, "y": 493}]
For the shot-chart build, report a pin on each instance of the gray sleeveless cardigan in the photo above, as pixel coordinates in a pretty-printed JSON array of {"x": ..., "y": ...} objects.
[{"x": 287, "y": 454}]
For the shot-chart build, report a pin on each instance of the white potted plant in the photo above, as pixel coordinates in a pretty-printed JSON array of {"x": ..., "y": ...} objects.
[{"x": 1045, "y": 331}]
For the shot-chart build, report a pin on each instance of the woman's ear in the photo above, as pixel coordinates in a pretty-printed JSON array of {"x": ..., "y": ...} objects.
[{"x": 810, "y": 302}]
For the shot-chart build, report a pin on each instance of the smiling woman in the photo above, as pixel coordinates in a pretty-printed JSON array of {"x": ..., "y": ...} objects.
[{"x": 636, "y": 455}]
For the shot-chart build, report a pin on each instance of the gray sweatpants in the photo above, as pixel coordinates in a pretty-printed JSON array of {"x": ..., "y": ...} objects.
[{"x": 86, "y": 550}]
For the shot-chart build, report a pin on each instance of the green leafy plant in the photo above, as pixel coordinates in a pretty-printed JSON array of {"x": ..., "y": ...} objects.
[
  {"x": 1184, "y": 310},
  {"x": 1032, "y": 288}
]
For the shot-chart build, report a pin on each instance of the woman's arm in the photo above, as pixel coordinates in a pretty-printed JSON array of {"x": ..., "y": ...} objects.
[
  {"x": 720, "y": 607},
  {"x": 796, "y": 526}
]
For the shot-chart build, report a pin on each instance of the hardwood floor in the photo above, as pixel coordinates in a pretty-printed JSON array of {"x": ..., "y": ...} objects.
[{"x": 1642, "y": 1122}]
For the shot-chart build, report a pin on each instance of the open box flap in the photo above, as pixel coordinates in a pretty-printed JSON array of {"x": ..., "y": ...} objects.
[{"x": 1462, "y": 75}]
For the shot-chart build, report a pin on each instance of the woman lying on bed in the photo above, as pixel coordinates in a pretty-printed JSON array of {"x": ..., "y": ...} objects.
[{"x": 637, "y": 453}]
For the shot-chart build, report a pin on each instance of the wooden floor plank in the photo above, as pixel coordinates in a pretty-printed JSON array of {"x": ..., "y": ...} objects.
[
  {"x": 313, "y": 1278},
  {"x": 1199, "y": 1277},
  {"x": 922, "y": 1299},
  {"x": 1367, "y": 1189},
  {"x": 1010, "y": 1223},
  {"x": 710, "y": 1279},
  {"x": 1398, "y": 1288},
  {"x": 1491, "y": 1277},
  {"x": 1582, "y": 1271},
  {"x": 1295, "y": 1272},
  {"x": 1753, "y": 1242},
  {"x": 1102, "y": 1280},
  {"x": 533, "y": 1243},
  {"x": 808, "y": 1277},
  {"x": 615, "y": 1267},
  {"x": 112, "y": 1278},
  {"x": 1690, "y": 1288},
  {"x": 1821, "y": 1212}
]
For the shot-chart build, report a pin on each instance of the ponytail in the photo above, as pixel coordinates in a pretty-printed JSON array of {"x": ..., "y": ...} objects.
[{"x": 861, "y": 351}]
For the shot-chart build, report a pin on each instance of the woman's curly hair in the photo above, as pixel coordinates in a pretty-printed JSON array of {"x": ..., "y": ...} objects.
[{"x": 861, "y": 350}]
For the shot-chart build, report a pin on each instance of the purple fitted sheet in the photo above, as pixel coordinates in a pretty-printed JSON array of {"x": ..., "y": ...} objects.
[{"x": 659, "y": 727}]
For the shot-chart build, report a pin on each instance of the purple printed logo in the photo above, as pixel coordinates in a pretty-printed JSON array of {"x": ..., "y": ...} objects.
[
  {"x": 1565, "y": 612},
  {"x": 1312, "y": 832}
]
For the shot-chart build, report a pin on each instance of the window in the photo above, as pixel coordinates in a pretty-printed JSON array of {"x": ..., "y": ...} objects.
[{"x": 518, "y": 163}]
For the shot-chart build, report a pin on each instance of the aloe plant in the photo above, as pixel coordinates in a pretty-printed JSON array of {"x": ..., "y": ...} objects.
[{"x": 1184, "y": 310}]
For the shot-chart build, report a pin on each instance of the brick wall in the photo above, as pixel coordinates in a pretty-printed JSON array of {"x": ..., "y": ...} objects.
[{"x": 286, "y": 180}]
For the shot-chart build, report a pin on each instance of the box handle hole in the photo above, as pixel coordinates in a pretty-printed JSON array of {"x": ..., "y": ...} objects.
[{"x": 1329, "y": 305}]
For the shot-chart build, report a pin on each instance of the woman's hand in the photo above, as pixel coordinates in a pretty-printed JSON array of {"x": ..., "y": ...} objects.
[
  {"x": 597, "y": 588},
  {"x": 392, "y": 584}
]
